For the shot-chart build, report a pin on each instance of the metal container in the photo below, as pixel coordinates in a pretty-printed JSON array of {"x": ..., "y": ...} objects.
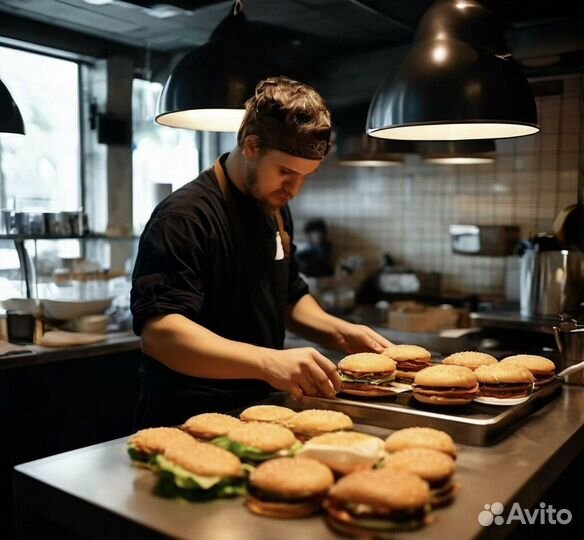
[
  {"x": 551, "y": 282},
  {"x": 570, "y": 341}
]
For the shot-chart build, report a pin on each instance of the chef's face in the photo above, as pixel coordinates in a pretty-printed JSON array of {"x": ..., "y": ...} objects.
[{"x": 274, "y": 177}]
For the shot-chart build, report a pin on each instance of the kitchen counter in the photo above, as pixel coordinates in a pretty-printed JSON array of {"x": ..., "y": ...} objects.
[
  {"x": 117, "y": 342},
  {"x": 95, "y": 491}
]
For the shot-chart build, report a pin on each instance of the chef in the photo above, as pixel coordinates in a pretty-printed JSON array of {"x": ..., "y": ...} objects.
[{"x": 215, "y": 284}]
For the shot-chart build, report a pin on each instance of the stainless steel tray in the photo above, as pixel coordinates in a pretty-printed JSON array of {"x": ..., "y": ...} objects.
[{"x": 476, "y": 424}]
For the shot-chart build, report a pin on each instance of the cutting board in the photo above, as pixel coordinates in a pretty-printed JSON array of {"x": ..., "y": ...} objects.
[{"x": 59, "y": 338}]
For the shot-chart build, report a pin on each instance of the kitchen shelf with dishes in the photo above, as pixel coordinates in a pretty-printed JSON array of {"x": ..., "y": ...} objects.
[{"x": 80, "y": 285}]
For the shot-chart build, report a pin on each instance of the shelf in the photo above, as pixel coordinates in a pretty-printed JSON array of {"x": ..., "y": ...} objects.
[{"x": 21, "y": 237}]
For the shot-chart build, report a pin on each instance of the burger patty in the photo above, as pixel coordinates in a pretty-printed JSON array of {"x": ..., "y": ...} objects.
[
  {"x": 266, "y": 496},
  {"x": 347, "y": 512},
  {"x": 502, "y": 390},
  {"x": 544, "y": 378},
  {"x": 412, "y": 365},
  {"x": 363, "y": 385},
  {"x": 366, "y": 375},
  {"x": 452, "y": 392}
]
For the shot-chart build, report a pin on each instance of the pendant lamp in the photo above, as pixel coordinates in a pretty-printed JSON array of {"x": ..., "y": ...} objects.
[
  {"x": 361, "y": 150},
  {"x": 458, "y": 152},
  {"x": 457, "y": 82},
  {"x": 208, "y": 88},
  {"x": 10, "y": 117}
]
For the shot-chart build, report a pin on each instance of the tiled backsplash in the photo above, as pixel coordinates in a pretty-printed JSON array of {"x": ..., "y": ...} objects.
[{"x": 407, "y": 210}]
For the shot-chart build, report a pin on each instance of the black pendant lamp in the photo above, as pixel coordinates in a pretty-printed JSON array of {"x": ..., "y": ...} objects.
[
  {"x": 208, "y": 88},
  {"x": 457, "y": 82},
  {"x": 458, "y": 152},
  {"x": 10, "y": 117}
]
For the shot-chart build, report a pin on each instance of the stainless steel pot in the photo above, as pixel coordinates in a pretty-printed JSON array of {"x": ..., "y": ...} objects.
[
  {"x": 570, "y": 341},
  {"x": 551, "y": 282}
]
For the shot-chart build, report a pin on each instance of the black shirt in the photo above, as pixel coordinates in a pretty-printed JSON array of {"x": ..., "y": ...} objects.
[{"x": 214, "y": 263}]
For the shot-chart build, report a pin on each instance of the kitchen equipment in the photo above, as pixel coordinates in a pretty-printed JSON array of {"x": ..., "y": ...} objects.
[
  {"x": 570, "y": 341},
  {"x": 552, "y": 280},
  {"x": 475, "y": 424},
  {"x": 493, "y": 240},
  {"x": 20, "y": 327},
  {"x": 8, "y": 225},
  {"x": 66, "y": 310}
]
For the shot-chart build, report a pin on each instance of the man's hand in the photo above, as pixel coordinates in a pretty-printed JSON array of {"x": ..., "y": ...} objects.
[
  {"x": 355, "y": 338},
  {"x": 302, "y": 372}
]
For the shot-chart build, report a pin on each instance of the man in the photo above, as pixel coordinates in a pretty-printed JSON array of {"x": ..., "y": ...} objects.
[{"x": 215, "y": 283}]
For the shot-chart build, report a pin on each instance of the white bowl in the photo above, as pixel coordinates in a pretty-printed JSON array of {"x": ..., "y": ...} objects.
[{"x": 65, "y": 310}]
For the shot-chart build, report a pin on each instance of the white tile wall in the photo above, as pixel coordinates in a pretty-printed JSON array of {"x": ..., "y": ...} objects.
[{"x": 407, "y": 210}]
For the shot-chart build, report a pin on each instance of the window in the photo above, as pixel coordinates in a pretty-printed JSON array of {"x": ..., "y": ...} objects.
[
  {"x": 163, "y": 158},
  {"x": 41, "y": 171}
]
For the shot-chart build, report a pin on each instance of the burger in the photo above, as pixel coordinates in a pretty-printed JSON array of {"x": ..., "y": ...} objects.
[
  {"x": 146, "y": 444},
  {"x": 470, "y": 359},
  {"x": 313, "y": 422},
  {"x": 421, "y": 437},
  {"x": 433, "y": 466},
  {"x": 367, "y": 374},
  {"x": 409, "y": 360},
  {"x": 208, "y": 426},
  {"x": 345, "y": 451},
  {"x": 255, "y": 442},
  {"x": 377, "y": 502},
  {"x": 267, "y": 413},
  {"x": 504, "y": 381},
  {"x": 288, "y": 487},
  {"x": 543, "y": 370},
  {"x": 445, "y": 385},
  {"x": 198, "y": 471}
]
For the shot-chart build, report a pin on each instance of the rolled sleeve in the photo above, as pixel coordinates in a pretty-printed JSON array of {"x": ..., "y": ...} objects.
[{"x": 169, "y": 274}]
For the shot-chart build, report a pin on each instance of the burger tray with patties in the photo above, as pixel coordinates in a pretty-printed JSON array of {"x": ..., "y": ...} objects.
[{"x": 476, "y": 424}]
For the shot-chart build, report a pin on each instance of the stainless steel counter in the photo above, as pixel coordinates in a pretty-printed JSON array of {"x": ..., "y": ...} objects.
[{"x": 95, "y": 491}]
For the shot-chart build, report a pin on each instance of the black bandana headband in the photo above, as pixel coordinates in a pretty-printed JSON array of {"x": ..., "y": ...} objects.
[{"x": 275, "y": 134}]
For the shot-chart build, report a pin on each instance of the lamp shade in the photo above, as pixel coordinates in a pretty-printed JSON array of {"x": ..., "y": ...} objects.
[
  {"x": 455, "y": 83},
  {"x": 10, "y": 117},
  {"x": 208, "y": 88},
  {"x": 361, "y": 150},
  {"x": 458, "y": 152}
]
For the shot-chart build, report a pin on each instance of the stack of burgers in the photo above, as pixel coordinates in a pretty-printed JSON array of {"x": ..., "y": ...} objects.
[{"x": 366, "y": 485}]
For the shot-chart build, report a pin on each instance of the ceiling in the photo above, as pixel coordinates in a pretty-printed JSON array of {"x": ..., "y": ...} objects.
[{"x": 345, "y": 38}]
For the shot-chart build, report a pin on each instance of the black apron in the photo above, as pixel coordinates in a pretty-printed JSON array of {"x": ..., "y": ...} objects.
[{"x": 171, "y": 398}]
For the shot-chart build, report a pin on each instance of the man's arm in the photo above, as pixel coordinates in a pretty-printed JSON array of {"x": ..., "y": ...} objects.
[
  {"x": 307, "y": 319},
  {"x": 191, "y": 349}
]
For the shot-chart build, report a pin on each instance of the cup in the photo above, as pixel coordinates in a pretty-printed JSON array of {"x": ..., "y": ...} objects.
[{"x": 20, "y": 327}]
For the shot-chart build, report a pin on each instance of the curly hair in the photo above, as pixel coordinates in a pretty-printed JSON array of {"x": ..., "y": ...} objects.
[{"x": 283, "y": 111}]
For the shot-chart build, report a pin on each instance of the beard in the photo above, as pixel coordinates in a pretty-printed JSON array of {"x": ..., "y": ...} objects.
[{"x": 252, "y": 185}]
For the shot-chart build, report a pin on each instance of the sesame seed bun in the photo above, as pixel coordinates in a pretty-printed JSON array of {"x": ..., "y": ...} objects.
[
  {"x": 314, "y": 422},
  {"x": 470, "y": 359},
  {"x": 543, "y": 369},
  {"x": 421, "y": 437},
  {"x": 210, "y": 425},
  {"x": 156, "y": 440},
  {"x": 204, "y": 459},
  {"x": 294, "y": 478},
  {"x": 382, "y": 488},
  {"x": 503, "y": 373},
  {"x": 366, "y": 363},
  {"x": 430, "y": 465},
  {"x": 264, "y": 436},
  {"x": 345, "y": 451},
  {"x": 446, "y": 376},
  {"x": 403, "y": 353},
  {"x": 267, "y": 413},
  {"x": 288, "y": 487}
]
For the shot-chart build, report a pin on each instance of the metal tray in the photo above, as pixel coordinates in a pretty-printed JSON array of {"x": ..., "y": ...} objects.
[{"x": 476, "y": 424}]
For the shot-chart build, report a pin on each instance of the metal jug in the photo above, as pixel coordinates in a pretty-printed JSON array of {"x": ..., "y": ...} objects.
[{"x": 570, "y": 341}]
